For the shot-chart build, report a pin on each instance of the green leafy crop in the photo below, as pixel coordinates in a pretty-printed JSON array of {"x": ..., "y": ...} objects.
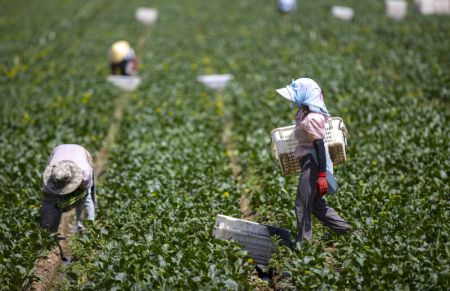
[{"x": 168, "y": 176}]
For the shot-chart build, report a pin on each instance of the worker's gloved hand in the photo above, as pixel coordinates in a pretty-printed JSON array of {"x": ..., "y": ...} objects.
[{"x": 322, "y": 183}]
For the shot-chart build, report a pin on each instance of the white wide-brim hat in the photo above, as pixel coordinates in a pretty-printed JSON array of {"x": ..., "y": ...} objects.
[
  {"x": 287, "y": 92},
  {"x": 62, "y": 178}
]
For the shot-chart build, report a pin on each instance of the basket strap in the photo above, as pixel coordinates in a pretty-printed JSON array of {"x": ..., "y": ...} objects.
[
  {"x": 344, "y": 131},
  {"x": 343, "y": 128},
  {"x": 341, "y": 125}
]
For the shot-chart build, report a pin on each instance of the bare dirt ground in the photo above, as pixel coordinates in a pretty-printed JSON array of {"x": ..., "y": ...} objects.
[
  {"x": 47, "y": 266},
  {"x": 232, "y": 158},
  {"x": 233, "y": 164}
]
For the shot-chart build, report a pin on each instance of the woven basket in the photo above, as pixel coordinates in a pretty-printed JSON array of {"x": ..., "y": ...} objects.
[{"x": 284, "y": 143}]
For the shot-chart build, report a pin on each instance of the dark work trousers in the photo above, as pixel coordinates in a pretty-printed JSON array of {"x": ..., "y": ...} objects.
[
  {"x": 119, "y": 68},
  {"x": 309, "y": 201}
]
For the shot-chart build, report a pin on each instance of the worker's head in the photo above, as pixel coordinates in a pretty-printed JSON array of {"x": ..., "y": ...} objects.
[
  {"x": 304, "y": 91},
  {"x": 62, "y": 178}
]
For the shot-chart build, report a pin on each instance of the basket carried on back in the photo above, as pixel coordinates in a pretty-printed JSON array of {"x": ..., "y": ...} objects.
[{"x": 284, "y": 143}]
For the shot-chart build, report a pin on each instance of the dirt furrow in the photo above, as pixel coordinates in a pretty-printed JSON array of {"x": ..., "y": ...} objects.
[
  {"x": 46, "y": 268},
  {"x": 232, "y": 157}
]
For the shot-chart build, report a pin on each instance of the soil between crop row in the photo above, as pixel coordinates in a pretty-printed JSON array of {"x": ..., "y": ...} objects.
[
  {"x": 233, "y": 163},
  {"x": 47, "y": 267}
]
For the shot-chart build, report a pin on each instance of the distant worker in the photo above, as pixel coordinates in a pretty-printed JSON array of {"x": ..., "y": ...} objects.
[
  {"x": 287, "y": 6},
  {"x": 311, "y": 117},
  {"x": 123, "y": 59},
  {"x": 68, "y": 183}
]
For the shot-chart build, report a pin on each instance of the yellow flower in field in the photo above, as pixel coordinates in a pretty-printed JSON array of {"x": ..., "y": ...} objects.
[
  {"x": 12, "y": 73},
  {"x": 226, "y": 194},
  {"x": 229, "y": 153},
  {"x": 82, "y": 279},
  {"x": 26, "y": 119},
  {"x": 250, "y": 261},
  {"x": 206, "y": 60},
  {"x": 234, "y": 65},
  {"x": 219, "y": 107},
  {"x": 86, "y": 97}
]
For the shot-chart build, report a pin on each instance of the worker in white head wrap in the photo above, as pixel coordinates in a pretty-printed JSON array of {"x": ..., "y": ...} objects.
[{"x": 316, "y": 177}]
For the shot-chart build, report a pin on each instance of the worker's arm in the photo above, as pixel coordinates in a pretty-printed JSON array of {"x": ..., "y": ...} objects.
[
  {"x": 319, "y": 146},
  {"x": 315, "y": 129}
]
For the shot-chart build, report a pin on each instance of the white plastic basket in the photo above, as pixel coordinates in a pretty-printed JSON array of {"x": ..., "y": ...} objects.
[
  {"x": 344, "y": 13},
  {"x": 256, "y": 238},
  {"x": 396, "y": 9},
  {"x": 126, "y": 83},
  {"x": 147, "y": 16},
  {"x": 429, "y": 7},
  {"x": 425, "y": 7},
  {"x": 215, "y": 81},
  {"x": 442, "y": 7},
  {"x": 336, "y": 140},
  {"x": 284, "y": 144}
]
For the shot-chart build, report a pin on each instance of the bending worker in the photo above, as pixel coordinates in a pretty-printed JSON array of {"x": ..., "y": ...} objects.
[
  {"x": 314, "y": 159},
  {"x": 122, "y": 59},
  {"x": 68, "y": 183}
]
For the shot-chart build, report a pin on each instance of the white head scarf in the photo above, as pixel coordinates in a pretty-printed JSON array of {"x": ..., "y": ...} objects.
[{"x": 307, "y": 92}]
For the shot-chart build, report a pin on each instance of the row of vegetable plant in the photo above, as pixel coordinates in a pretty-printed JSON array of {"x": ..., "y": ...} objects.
[
  {"x": 388, "y": 82},
  {"x": 168, "y": 174},
  {"x": 52, "y": 82}
]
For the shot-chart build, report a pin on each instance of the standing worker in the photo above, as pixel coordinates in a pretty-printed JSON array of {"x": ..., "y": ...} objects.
[
  {"x": 311, "y": 117},
  {"x": 122, "y": 59},
  {"x": 68, "y": 183}
]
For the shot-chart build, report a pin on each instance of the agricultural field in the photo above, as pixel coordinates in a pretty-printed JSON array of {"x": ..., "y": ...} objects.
[{"x": 171, "y": 169}]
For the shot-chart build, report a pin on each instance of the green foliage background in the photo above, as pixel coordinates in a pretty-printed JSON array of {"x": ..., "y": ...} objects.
[{"x": 168, "y": 174}]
